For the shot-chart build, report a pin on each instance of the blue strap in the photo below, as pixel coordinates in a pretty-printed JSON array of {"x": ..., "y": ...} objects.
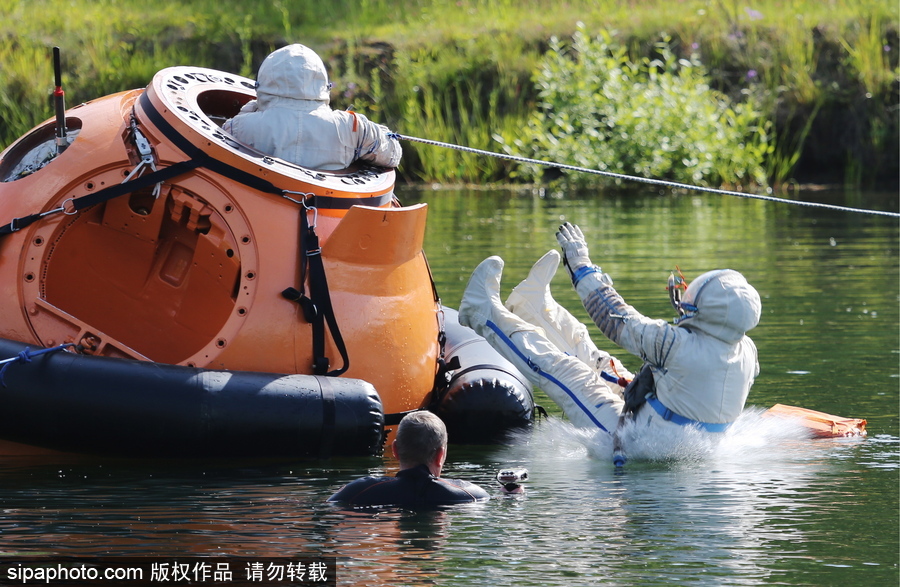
[
  {"x": 542, "y": 373},
  {"x": 676, "y": 418},
  {"x": 608, "y": 377},
  {"x": 583, "y": 271}
]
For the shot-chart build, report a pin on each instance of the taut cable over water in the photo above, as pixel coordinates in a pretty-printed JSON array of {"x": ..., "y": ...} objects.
[{"x": 652, "y": 181}]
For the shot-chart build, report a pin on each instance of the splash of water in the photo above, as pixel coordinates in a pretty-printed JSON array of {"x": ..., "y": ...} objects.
[{"x": 753, "y": 437}]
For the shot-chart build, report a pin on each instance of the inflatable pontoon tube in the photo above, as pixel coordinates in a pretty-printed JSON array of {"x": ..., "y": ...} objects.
[
  {"x": 108, "y": 406},
  {"x": 487, "y": 396}
]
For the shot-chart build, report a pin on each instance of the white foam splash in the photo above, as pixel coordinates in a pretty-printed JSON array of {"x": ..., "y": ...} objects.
[{"x": 752, "y": 437}]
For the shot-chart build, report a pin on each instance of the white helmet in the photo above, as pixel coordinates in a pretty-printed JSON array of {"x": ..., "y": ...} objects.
[
  {"x": 296, "y": 72},
  {"x": 720, "y": 303}
]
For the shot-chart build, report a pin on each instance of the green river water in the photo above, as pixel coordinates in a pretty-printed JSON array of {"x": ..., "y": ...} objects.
[{"x": 767, "y": 507}]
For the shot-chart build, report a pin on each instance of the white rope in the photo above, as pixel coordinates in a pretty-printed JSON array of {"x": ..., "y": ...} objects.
[{"x": 660, "y": 182}]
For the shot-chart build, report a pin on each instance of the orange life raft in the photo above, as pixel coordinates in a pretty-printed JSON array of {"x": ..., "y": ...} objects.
[
  {"x": 820, "y": 424},
  {"x": 155, "y": 236}
]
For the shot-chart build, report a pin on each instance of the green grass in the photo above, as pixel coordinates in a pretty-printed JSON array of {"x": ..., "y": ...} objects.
[{"x": 462, "y": 71}]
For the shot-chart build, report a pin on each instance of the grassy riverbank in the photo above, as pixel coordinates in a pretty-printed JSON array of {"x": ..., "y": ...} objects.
[{"x": 824, "y": 74}]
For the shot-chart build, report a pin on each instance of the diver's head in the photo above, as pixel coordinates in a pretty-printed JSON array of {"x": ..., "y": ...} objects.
[
  {"x": 720, "y": 303},
  {"x": 421, "y": 439},
  {"x": 296, "y": 72}
]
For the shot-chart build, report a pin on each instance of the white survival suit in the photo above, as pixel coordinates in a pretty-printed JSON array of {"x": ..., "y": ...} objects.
[
  {"x": 291, "y": 119},
  {"x": 703, "y": 367}
]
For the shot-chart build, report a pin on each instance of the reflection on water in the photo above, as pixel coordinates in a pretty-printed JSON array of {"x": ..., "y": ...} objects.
[
  {"x": 754, "y": 510},
  {"x": 765, "y": 505},
  {"x": 668, "y": 519}
]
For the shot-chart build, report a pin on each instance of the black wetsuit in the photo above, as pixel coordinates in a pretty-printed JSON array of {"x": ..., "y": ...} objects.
[{"x": 413, "y": 488}]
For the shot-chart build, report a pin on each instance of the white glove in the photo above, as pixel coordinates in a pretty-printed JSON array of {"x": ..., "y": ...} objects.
[{"x": 574, "y": 248}]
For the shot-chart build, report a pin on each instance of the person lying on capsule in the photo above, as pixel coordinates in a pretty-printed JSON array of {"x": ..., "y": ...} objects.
[
  {"x": 697, "y": 372},
  {"x": 421, "y": 449},
  {"x": 291, "y": 118}
]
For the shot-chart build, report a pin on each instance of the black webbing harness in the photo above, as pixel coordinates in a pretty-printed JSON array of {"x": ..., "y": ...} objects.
[
  {"x": 73, "y": 205},
  {"x": 317, "y": 308}
]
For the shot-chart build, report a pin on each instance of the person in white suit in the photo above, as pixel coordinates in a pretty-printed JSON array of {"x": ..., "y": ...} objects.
[
  {"x": 291, "y": 118},
  {"x": 697, "y": 372}
]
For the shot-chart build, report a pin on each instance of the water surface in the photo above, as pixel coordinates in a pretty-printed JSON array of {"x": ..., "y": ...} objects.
[{"x": 765, "y": 506}]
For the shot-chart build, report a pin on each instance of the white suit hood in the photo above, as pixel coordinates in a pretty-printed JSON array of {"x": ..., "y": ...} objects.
[
  {"x": 727, "y": 306},
  {"x": 294, "y": 72}
]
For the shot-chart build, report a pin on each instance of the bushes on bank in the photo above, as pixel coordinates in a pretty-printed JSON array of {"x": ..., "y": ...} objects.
[{"x": 656, "y": 117}]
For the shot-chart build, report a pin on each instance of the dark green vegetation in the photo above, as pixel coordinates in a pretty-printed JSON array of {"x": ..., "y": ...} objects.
[{"x": 799, "y": 90}]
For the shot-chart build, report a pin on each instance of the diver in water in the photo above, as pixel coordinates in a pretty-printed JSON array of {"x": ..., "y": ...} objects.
[
  {"x": 291, "y": 119},
  {"x": 697, "y": 372},
  {"x": 420, "y": 448}
]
